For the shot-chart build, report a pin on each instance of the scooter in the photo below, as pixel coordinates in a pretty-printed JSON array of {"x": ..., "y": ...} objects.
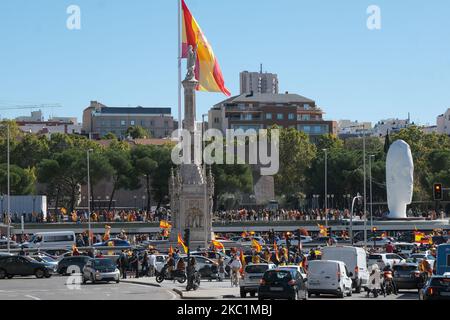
[
  {"x": 176, "y": 275},
  {"x": 388, "y": 283}
]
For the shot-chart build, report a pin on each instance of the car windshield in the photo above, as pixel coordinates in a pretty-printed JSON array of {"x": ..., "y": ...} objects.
[
  {"x": 277, "y": 275},
  {"x": 374, "y": 257},
  {"x": 256, "y": 268},
  {"x": 404, "y": 268},
  {"x": 440, "y": 282},
  {"x": 103, "y": 263}
]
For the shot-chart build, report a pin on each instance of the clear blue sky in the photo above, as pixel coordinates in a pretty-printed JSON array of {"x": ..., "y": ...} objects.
[{"x": 125, "y": 53}]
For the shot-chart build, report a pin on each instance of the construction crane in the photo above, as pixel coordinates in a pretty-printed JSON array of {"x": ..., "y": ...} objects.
[{"x": 30, "y": 106}]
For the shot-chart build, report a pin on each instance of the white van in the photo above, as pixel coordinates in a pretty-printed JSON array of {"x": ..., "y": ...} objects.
[
  {"x": 329, "y": 277},
  {"x": 52, "y": 240},
  {"x": 356, "y": 261}
]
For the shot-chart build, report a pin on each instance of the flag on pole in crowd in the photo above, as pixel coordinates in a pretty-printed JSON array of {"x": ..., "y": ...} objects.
[
  {"x": 242, "y": 257},
  {"x": 323, "y": 230},
  {"x": 163, "y": 224},
  {"x": 171, "y": 250},
  {"x": 244, "y": 234},
  {"x": 256, "y": 245},
  {"x": 275, "y": 248},
  {"x": 181, "y": 242},
  {"x": 207, "y": 69},
  {"x": 63, "y": 211},
  {"x": 218, "y": 245}
]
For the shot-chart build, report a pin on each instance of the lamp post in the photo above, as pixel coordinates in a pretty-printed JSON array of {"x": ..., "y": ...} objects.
[
  {"x": 135, "y": 205},
  {"x": 89, "y": 194},
  {"x": 8, "y": 200},
  {"x": 351, "y": 217},
  {"x": 326, "y": 187},
  {"x": 372, "y": 156}
]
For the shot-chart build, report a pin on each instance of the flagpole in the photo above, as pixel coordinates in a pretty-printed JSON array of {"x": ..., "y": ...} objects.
[{"x": 180, "y": 117}]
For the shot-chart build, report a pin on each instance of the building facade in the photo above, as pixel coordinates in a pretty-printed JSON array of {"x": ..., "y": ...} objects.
[
  {"x": 258, "y": 82},
  {"x": 261, "y": 111},
  {"x": 443, "y": 123},
  {"x": 98, "y": 120},
  {"x": 383, "y": 127}
]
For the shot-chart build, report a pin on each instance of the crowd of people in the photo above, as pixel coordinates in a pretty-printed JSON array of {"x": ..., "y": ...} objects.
[{"x": 223, "y": 216}]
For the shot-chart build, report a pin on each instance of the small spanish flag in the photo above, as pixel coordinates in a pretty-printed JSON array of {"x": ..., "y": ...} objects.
[
  {"x": 256, "y": 245},
  {"x": 244, "y": 234},
  {"x": 323, "y": 230},
  {"x": 171, "y": 250},
  {"x": 163, "y": 224},
  {"x": 218, "y": 245},
  {"x": 242, "y": 257},
  {"x": 181, "y": 242},
  {"x": 63, "y": 210}
]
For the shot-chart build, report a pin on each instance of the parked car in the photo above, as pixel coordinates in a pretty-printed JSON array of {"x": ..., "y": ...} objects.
[
  {"x": 407, "y": 276},
  {"x": 248, "y": 241},
  {"x": 404, "y": 247},
  {"x": 51, "y": 240},
  {"x": 384, "y": 259},
  {"x": 207, "y": 268},
  {"x": 116, "y": 243},
  {"x": 354, "y": 259},
  {"x": 417, "y": 257},
  {"x": 282, "y": 284},
  {"x": 329, "y": 277},
  {"x": 253, "y": 274},
  {"x": 22, "y": 266},
  {"x": 436, "y": 288},
  {"x": 294, "y": 241},
  {"x": 72, "y": 264},
  {"x": 49, "y": 262},
  {"x": 4, "y": 244},
  {"x": 101, "y": 270}
]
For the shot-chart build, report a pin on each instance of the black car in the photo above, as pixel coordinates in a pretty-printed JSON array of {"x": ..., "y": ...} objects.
[
  {"x": 76, "y": 264},
  {"x": 22, "y": 266},
  {"x": 282, "y": 284},
  {"x": 407, "y": 276},
  {"x": 436, "y": 288}
]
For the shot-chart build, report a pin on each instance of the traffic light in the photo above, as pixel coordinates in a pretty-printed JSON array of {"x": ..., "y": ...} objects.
[
  {"x": 437, "y": 192},
  {"x": 187, "y": 237},
  {"x": 374, "y": 229}
]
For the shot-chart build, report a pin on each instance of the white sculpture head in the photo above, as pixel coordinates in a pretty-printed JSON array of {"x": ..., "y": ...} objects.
[{"x": 399, "y": 179}]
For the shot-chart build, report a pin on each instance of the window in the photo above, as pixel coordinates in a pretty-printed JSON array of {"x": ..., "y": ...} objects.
[
  {"x": 246, "y": 116},
  {"x": 280, "y": 116},
  {"x": 306, "y": 128},
  {"x": 216, "y": 120},
  {"x": 306, "y": 117},
  {"x": 132, "y": 122},
  {"x": 123, "y": 123},
  {"x": 306, "y": 106},
  {"x": 143, "y": 123},
  {"x": 291, "y": 116},
  {"x": 268, "y": 116}
]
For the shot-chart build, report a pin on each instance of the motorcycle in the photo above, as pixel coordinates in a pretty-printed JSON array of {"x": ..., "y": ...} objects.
[
  {"x": 388, "y": 283},
  {"x": 176, "y": 275}
]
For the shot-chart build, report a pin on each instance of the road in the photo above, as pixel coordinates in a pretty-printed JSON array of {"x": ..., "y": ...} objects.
[{"x": 55, "y": 288}]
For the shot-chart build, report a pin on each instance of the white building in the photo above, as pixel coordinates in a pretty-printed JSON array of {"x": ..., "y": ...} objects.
[
  {"x": 49, "y": 127},
  {"x": 443, "y": 123},
  {"x": 349, "y": 127},
  {"x": 389, "y": 126}
]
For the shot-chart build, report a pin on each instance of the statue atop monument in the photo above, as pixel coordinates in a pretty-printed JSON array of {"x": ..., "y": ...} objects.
[{"x": 191, "y": 62}]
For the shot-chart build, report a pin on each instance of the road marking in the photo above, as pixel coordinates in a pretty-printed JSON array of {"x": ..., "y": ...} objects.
[
  {"x": 32, "y": 297},
  {"x": 173, "y": 295}
]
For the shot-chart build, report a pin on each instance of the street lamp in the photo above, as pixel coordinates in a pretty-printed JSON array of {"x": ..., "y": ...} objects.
[
  {"x": 135, "y": 205},
  {"x": 89, "y": 194},
  {"x": 326, "y": 187},
  {"x": 351, "y": 217},
  {"x": 8, "y": 200},
  {"x": 370, "y": 186}
]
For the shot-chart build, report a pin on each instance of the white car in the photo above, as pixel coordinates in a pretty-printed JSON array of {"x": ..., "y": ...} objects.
[
  {"x": 404, "y": 247},
  {"x": 377, "y": 241},
  {"x": 384, "y": 259},
  {"x": 160, "y": 261},
  {"x": 329, "y": 277},
  {"x": 420, "y": 256},
  {"x": 248, "y": 241},
  {"x": 253, "y": 274},
  {"x": 355, "y": 259},
  {"x": 295, "y": 267},
  {"x": 294, "y": 241}
]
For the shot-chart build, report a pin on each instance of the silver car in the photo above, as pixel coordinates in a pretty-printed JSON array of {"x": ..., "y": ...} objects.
[
  {"x": 97, "y": 270},
  {"x": 253, "y": 274}
]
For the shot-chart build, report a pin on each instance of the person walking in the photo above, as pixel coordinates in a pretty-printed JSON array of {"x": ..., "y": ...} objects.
[
  {"x": 145, "y": 264},
  {"x": 152, "y": 264},
  {"x": 236, "y": 266},
  {"x": 123, "y": 263},
  {"x": 221, "y": 264}
]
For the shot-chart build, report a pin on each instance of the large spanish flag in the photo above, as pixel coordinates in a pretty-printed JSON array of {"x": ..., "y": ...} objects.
[
  {"x": 181, "y": 242},
  {"x": 207, "y": 70}
]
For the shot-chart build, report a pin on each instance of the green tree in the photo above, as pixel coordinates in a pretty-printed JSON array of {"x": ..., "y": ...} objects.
[
  {"x": 138, "y": 132},
  {"x": 144, "y": 167},
  {"x": 22, "y": 181},
  {"x": 120, "y": 163}
]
